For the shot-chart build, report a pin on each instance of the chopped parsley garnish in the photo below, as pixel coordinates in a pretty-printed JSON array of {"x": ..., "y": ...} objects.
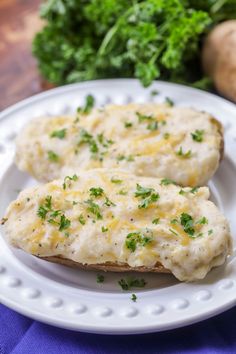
[
  {"x": 104, "y": 229},
  {"x": 45, "y": 208},
  {"x": 100, "y": 278},
  {"x": 133, "y": 297},
  {"x": 64, "y": 223},
  {"x": 174, "y": 221},
  {"x": 198, "y": 135},
  {"x": 143, "y": 117},
  {"x": 152, "y": 123},
  {"x": 169, "y": 101},
  {"x": 42, "y": 212},
  {"x": 167, "y": 181},
  {"x": 134, "y": 239},
  {"x": 149, "y": 200},
  {"x": 96, "y": 192},
  {"x": 108, "y": 202},
  {"x": 166, "y": 136},
  {"x": 147, "y": 194},
  {"x": 173, "y": 232},
  {"x": 86, "y": 138},
  {"x": 186, "y": 221},
  {"x": 81, "y": 219},
  {"x": 116, "y": 180},
  {"x": 155, "y": 221},
  {"x": 60, "y": 134},
  {"x": 143, "y": 192},
  {"x": 210, "y": 232},
  {"x": 154, "y": 93},
  {"x": 55, "y": 213},
  {"x": 128, "y": 124},
  {"x": 152, "y": 126},
  {"x": 128, "y": 283},
  {"x": 122, "y": 192},
  {"x": 52, "y": 156},
  {"x": 94, "y": 208},
  {"x": 123, "y": 157},
  {"x": 194, "y": 190},
  {"x": 185, "y": 155},
  {"x": 130, "y": 158},
  {"x": 202, "y": 221},
  {"x": 69, "y": 179},
  {"x": 103, "y": 141},
  {"x": 182, "y": 192},
  {"x": 89, "y": 104}
]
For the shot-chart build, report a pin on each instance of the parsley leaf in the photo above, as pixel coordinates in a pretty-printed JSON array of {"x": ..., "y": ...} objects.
[
  {"x": 94, "y": 208},
  {"x": 129, "y": 283},
  {"x": 104, "y": 229},
  {"x": 133, "y": 297},
  {"x": 108, "y": 202},
  {"x": 60, "y": 134},
  {"x": 64, "y": 223},
  {"x": 185, "y": 155},
  {"x": 45, "y": 208},
  {"x": 155, "y": 221},
  {"x": 81, "y": 219},
  {"x": 167, "y": 181},
  {"x": 100, "y": 278},
  {"x": 166, "y": 136},
  {"x": 173, "y": 232},
  {"x": 134, "y": 239},
  {"x": 154, "y": 93},
  {"x": 144, "y": 117},
  {"x": 198, "y": 135},
  {"x": 89, "y": 104},
  {"x": 202, "y": 221},
  {"x": 149, "y": 200},
  {"x": 122, "y": 192},
  {"x": 169, "y": 101},
  {"x": 96, "y": 192},
  {"x": 194, "y": 190},
  {"x": 86, "y": 138},
  {"x": 52, "y": 156},
  {"x": 143, "y": 192},
  {"x": 69, "y": 179},
  {"x": 186, "y": 221},
  {"x": 116, "y": 180},
  {"x": 103, "y": 141},
  {"x": 152, "y": 126},
  {"x": 128, "y": 124},
  {"x": 121, "y": 157},
  {"x": 147, "y": 194}
]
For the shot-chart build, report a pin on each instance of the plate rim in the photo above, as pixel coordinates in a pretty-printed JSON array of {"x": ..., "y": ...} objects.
[{"x": 97, "y": 328}]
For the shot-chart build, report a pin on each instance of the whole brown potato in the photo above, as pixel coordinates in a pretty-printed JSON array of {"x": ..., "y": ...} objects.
[{"x": 219, "y": 58}]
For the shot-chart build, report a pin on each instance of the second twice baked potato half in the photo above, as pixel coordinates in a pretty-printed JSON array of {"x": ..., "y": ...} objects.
[{"x": 153, "y": 140}]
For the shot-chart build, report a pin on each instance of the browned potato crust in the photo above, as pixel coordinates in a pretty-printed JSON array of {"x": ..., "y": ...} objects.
[{"x": 106, "y": 267}]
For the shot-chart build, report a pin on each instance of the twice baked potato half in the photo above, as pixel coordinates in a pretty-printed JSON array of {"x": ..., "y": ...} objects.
[
  {"x": 153, "y": 140},
  {"x": 115, "y": 221}
]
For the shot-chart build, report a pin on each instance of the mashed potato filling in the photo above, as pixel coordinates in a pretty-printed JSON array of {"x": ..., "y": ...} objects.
[
  {"x": 109, "y": 215},
  {"x": 153, "y": 140}
]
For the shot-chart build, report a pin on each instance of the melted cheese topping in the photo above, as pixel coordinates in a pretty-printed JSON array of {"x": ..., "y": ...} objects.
[
  {"x": 145, "y": 147},
  {"x": 104, "y": 239}
]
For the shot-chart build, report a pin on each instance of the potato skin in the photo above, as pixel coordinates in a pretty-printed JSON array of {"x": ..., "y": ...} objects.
[
  {"x": 219, "y": 58},
  {"x": 106, "y": 267}
]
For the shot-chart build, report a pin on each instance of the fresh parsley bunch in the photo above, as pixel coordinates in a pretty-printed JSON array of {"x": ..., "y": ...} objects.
[{"x": 149, "y": 39}]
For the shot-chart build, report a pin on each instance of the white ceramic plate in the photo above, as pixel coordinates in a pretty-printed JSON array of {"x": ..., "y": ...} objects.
[{"x": 71, "y": 298}]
